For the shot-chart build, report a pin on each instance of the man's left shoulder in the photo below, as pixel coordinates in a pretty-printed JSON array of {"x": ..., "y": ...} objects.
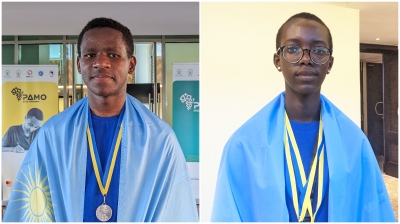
[{"x": 157, "y": 131}]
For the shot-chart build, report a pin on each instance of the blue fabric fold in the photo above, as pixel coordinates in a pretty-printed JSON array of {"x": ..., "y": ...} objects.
[
  {"x": 251, "y": 179},
  {"x": 154, "y": 182}
]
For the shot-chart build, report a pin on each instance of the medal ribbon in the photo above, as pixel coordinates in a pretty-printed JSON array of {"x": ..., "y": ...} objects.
[
  {"x": 95, "y": 158},
  {"x": 305, "y": 199}
]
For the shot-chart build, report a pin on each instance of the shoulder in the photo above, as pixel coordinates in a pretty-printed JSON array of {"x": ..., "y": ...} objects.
[
  {"x": 260, "y": 134},
  {"x": 343, "y": 134},
  {"x": 261, "y": 124},
  {"x": 14, "y": 128},
  {"x": 67, "y": 115},
  {"x": 343, "y": 121},
  {"x": 144, "y": 115}
]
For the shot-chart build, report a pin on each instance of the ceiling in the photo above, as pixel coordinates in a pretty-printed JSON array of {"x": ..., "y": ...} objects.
[
  {"x": 377, "y": 20},
  {"x": 68, "y": 18}
]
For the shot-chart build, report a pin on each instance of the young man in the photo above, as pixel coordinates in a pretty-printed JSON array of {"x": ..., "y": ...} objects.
[
  {"x": 18, "y": 138},
  {"x": 300, "y": 158},
  {"x": 122, "y": 162}
]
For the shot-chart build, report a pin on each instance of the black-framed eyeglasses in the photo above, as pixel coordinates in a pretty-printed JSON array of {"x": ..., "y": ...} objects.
[{"x": 294, "y": 53}]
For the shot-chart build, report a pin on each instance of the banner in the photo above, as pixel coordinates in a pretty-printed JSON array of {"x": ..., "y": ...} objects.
[
  {"x": 29, "y": 98},
  {"x": 185, "y": 115}
]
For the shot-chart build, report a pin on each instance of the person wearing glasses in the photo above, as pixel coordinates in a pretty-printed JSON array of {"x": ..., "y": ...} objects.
[{"x": 300, "y": 159}]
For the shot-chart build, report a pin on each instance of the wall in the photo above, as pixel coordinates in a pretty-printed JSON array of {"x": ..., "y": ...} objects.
[
  {"x": 239, "y": 78},
  {"x": 68, "y": 18},
  {"x": 176, "y": 53}
]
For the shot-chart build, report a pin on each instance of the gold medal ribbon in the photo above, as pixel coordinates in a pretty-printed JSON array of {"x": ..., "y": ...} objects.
[
  {"x": 103, "y": 189},
  {"x": 319, "y": 158}
]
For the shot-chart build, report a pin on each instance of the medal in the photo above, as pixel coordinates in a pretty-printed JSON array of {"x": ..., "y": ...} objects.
[{"x": 104, "y": 212}]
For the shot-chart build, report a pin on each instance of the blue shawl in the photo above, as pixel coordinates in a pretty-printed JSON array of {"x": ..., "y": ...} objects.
[
  {"x": 154, "y": 181},
  {"x": 251, "y": 179}
]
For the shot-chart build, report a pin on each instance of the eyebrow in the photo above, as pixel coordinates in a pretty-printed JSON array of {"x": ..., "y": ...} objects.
[
  {"x": 315, "y": 41},
  {"x": 91, "y": 49}
]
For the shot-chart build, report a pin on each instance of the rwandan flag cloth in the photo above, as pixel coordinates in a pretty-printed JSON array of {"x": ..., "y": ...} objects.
[
  {"x": 154, "y": 182},
  {"x": 251, "y": 180}
]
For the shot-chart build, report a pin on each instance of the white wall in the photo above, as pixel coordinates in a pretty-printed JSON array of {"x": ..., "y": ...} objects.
[{"x": 239, "y": 78}]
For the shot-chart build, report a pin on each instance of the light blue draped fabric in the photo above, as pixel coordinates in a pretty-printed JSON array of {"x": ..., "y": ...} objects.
[
  {"x": 154, "y": 180},
  {"x": 251, "y": 179}
]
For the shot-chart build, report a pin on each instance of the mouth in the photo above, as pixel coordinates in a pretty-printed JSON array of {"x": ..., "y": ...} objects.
[
  {"x": 101, "y": 77},
  {"x": 306, "y": 76}
]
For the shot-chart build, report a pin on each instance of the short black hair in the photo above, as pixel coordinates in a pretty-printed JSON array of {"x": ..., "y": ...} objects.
[
  {"x": 35, "y": 112},
  {"x": 306, "y": 16},
  {"x": 107, "y": 22}
]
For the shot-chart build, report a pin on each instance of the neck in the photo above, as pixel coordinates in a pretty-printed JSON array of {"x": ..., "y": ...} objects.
[
  {"x": 106, "y": 106},
  {"x": 303, "y": 108},
  {"x": 26, "y": 132}
]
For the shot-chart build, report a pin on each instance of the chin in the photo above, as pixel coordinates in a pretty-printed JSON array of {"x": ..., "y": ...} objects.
[{"x": 304, "y": 90}]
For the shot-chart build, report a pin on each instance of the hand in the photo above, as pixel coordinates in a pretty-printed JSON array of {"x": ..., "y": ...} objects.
[{"x": 19, "y": 149}]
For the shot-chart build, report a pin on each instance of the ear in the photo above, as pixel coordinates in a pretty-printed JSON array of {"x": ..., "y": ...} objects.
[
  {"x": 132, "y": 64},
  {"x": 277, "y": 61},
  {"x": 330, "y": 63},
  {"x": 78, "y": 64}
]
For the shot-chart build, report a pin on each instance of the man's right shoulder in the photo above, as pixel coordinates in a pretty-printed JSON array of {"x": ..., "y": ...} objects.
[
  {"x": 66, "y": 116},
  {"x": 259, "y": 121},
  {"x": 14, "y": 127}
]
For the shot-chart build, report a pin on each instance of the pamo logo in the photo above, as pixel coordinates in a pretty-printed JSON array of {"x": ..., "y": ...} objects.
[
  {"x": 190, "y": 101},
  {"x": 17, "y": 92},
  {"x": 27, "y": 97}
]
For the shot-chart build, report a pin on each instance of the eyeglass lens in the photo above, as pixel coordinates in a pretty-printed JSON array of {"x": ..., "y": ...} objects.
[{"x": 318, "y": 55}]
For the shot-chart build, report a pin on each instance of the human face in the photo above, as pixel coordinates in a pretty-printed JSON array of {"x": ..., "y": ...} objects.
[
  {"x": 104, "y": 63},
  {"x": 31, "y": 124},
  {"x": 304, "y": 77}
]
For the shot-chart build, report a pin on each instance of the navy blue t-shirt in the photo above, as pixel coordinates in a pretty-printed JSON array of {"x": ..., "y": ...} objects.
[
  {"x": 104, "y": 129},
  {"x": 306, "y": 135}
]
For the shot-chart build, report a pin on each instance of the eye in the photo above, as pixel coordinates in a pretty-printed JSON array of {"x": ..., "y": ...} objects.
[
  {"x": 114, "y": 55},
  {"x": 89, "y": 55},
  {"x": 292, "y": 49},
  {"x": 320, "y": 50}
]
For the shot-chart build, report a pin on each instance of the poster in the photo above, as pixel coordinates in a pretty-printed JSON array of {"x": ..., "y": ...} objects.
[
  {"x": 185, "y": 115},
  {"x": 29, "y": 98}
]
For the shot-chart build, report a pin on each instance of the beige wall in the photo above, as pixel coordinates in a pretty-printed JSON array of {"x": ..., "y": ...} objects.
[{"x": 239, "y": 78}]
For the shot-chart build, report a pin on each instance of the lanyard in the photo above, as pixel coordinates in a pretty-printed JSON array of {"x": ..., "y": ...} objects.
[
  {"x": 95, "y": 157},
  {"x": 301, "y": 207}
]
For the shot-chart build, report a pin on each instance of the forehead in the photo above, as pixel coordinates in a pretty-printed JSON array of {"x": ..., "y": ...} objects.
[
  {"x": 304, "y": 31},
  {"x": 102, "y": 36}
]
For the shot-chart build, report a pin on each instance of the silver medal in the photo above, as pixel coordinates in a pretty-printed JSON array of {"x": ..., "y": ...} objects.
[{"x": 104, "y": 212}]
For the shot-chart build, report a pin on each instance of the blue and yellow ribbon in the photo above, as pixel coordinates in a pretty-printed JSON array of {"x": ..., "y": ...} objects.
[
  {"x": 94, "y": 155},
  {"x": 305, "y": 201}
]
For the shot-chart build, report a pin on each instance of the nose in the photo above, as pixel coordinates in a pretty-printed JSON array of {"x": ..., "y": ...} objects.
[
  {"x": 101, "y": 61},
  {"x": 306, "y": 59}
]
